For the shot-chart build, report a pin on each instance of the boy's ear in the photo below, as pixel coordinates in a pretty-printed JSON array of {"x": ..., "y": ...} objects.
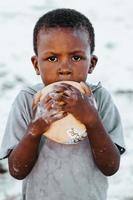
[
  {"x": 34, "y": 61},
  {"x": 93, "y": 63}
]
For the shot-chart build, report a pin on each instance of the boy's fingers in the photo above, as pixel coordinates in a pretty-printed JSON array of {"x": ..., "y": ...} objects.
[
  {"x": 59, "y": 115},
  {"x": 36, "y": 99},
  {"x": 86, "y": 88}
]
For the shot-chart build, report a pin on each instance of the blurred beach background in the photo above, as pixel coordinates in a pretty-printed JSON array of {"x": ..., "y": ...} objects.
[{"x": 113, "y": 23}]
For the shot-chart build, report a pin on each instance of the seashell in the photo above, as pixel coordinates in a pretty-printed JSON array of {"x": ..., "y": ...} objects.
[{"x": 67, "y": 130}]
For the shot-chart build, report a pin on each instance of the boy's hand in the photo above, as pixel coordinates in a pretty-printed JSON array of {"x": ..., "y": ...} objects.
[
  {"x": 46, "y": 111},
  {"x": 79, "y": 104}
]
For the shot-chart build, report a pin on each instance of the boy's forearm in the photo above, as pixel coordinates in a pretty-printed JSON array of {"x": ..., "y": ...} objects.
[
  {"x": 22, "y": 159},
  {"x": 105, "y": 152}
]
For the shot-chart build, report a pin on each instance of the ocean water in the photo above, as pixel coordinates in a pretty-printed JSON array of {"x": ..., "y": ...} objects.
[{"x": 113, "y": 25}]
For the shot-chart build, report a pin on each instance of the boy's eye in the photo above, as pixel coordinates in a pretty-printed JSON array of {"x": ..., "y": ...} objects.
[
  {"x": 76, "y": 58},
  {"x": 52, "y": 58}
]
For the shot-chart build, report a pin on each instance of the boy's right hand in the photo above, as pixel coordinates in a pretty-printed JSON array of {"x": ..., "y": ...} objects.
[{"x": 45, "y": 112}]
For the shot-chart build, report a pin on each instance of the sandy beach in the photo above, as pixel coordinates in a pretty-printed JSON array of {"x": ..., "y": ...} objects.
[{"x": 112, "y": 21}]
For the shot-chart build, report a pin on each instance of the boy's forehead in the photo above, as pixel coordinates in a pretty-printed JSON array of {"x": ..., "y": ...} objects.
[{"x": 57, "y": 32}]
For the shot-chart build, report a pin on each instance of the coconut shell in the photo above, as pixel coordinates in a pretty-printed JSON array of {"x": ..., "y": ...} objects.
[{"x": 67, "y": 130}]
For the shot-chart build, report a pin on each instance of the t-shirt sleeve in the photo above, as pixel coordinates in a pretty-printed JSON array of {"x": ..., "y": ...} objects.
[
  {"x": 110, "y": 118},
  {"x": 18, "y": 120}
]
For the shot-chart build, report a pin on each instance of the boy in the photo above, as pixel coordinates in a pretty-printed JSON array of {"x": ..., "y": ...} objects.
[{"x": 63, "y": 45}]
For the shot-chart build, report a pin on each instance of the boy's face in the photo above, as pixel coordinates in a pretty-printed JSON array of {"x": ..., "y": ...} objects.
[{"x": 63, "y": 54}]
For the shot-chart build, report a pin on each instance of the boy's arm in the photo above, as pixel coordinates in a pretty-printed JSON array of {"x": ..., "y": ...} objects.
[
  {"x": 105, "y": 153},
  {"x": 22, "y": 159}
]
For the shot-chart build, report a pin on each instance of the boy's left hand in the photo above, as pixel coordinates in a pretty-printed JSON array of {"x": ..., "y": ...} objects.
[{"x": 79, "y": 104}]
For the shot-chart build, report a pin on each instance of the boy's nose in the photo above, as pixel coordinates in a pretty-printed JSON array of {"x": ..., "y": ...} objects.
[{"x": 65, "y": 69}]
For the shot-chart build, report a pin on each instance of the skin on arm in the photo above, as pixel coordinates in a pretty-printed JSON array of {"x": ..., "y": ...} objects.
[
  {"x": 105, "y": 153},
  {"x": 22, "y": 159}
]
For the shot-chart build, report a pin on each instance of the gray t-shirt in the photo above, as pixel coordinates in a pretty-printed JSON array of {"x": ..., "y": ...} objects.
[{"x": 62, "y": 171}]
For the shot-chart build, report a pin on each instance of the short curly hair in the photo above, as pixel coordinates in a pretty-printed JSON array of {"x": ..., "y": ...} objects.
[{"x": 65, "y": 18}]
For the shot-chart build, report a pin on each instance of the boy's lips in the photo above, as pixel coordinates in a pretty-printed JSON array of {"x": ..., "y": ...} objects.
[
  {"x": 65, "y": 76},
  {"x": 65, "y": 73}
]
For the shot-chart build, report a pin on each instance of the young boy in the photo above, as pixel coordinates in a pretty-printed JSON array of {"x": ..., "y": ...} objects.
[{"x": 63, "y": 45}]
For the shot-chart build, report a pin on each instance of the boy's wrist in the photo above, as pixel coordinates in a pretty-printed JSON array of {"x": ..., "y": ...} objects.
[
  {"x": 95, "y": 125},
  {"x": 33, "y": 135},
  {"x": 36, "y": 130}
]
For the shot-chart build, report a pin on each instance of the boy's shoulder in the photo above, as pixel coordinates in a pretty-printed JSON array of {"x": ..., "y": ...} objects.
[
  {"x": 26, "y": 94},
  {"x": 94, "y": 87},
  {"x": 98, "y": 89},
  {"x": 101, "y": 94},
  {"x": 33, "y": 89}
]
